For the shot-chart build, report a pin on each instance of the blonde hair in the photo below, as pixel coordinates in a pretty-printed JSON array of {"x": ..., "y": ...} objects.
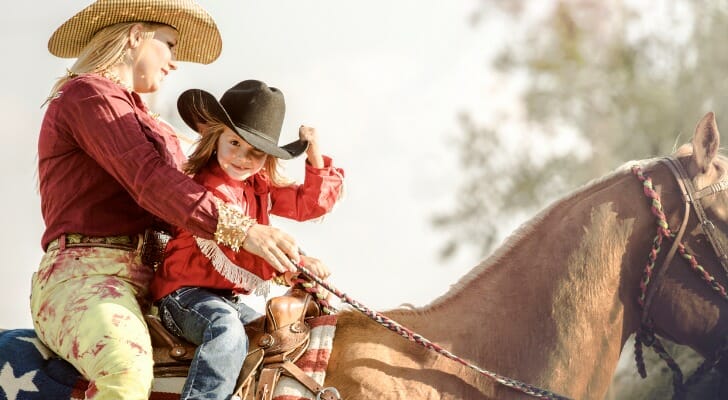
[
  {"x": 107, "y": 48},
  {"x": 211, "y": 130}
]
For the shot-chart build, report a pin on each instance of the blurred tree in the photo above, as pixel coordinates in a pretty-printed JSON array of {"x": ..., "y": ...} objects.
[
  {"x": 618, "y": 82},
  {"x": 609, "y": 81}
]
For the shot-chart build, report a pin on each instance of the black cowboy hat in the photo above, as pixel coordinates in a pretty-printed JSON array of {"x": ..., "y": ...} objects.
[{"x": 251, "y": 109}]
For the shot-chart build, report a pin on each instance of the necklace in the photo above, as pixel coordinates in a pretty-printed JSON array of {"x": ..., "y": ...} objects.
[{"x": 116, "y": 79}]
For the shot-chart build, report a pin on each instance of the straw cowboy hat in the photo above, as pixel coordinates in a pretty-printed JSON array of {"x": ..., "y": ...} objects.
[
  {"x": 251, "y": 109},
  {"x": 199, "y": 39}
]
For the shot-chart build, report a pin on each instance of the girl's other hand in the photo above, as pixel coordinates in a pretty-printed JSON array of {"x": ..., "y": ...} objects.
[
  {"x": 315, "y": 266},
  {"x": 312, "y": 152}
]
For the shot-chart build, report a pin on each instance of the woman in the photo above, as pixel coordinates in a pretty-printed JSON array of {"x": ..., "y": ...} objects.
[{"x": 108, "y": 173}]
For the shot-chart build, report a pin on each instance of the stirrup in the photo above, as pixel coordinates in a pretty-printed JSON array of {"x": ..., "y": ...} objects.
[{"x": 328, "y": 393}]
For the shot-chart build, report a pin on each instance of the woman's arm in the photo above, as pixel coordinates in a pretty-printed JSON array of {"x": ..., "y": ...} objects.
[{"x": 107, "y": 128}]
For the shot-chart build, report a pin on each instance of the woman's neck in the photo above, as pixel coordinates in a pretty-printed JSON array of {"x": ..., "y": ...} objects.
[{"x": 119, "y": 74}]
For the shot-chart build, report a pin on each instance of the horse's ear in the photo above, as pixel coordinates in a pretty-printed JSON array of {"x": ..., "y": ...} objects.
[{"x": 706, "y": 142}]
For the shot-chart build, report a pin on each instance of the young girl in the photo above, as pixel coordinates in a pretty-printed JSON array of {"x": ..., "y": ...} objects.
[{"x": 237, "y": 159}]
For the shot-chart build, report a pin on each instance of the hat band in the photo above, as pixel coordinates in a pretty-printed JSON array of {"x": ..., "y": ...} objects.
[{"x": 256, "y": 132}]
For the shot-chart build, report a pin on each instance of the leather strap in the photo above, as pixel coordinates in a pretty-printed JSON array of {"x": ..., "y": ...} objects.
[
  {"x": 246, "y": 379},
  {"x": 690, "y": 197},
  {"x": 652, "y": 289},
  {"x": 293, "y": 371},
  {"x": 693, "y": 197},
  {"x": 266, "y": 382},
  {"x": 270, "y": 375}
]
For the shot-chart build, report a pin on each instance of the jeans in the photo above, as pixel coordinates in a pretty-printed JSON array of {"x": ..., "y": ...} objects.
[{"x": 216, "y": 325}]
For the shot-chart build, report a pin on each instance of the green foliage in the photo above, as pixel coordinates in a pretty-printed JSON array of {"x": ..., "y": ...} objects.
[{"x": 593, "y": 69}]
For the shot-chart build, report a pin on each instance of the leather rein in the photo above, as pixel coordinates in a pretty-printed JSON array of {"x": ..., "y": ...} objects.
[
  {"x": 406, "y": 333},
  {"x": 691, "y": 200}
]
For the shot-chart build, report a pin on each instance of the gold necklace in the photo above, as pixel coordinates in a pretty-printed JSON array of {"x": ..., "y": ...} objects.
[{"x": 116, "y": 79}]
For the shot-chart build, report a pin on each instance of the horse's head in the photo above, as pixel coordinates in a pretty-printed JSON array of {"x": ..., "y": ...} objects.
[{"x": 689, "y": 303}]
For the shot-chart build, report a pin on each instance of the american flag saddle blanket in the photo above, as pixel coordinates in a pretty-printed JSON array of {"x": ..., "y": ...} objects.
[{"x": 30, "y": 371}]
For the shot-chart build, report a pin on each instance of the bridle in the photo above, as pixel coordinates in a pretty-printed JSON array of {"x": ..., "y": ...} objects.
[{"x": 650, "y": 281}]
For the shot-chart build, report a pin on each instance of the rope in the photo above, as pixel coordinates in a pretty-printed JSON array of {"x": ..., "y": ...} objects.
[
  {"x": 426, "y": 343},
  {"x": 318, "y": 295},
  {"x": 646, "y": 333}
]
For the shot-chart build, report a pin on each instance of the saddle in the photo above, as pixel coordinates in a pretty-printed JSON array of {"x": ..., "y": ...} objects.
[{"x": 276, "y": 341}]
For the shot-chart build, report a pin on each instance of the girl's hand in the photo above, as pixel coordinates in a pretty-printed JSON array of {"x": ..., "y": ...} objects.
[
  {"x": 315, "y": 266},
  {"x": 312, "y": 152},
  {"x": 273, "y": 245}
]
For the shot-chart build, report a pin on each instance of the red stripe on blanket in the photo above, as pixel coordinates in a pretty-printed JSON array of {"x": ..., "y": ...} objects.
[
  {"x": 314, "y": 360},
  {"x": 322, "y": 320},
  {"x": 79, "y": 390}
]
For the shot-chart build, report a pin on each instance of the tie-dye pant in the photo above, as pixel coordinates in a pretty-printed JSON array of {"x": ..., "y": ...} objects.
[{"x": 86, "y": 307}]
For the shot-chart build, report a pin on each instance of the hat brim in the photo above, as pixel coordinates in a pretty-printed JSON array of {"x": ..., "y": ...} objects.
[
  {"x": 199, "y": 39},
  {"x": 191, "y": 105}
]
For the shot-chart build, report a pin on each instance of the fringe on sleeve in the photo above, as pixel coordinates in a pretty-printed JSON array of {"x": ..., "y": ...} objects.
[{"x": 230, "y": 271}]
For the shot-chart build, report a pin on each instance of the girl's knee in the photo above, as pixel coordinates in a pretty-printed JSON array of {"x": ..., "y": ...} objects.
[
  {"x": 227, "y": 325},
  {"x": 229, "y": 333}
]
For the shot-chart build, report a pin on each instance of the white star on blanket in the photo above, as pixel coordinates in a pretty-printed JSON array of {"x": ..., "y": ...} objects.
[
  {"x": 29, "y": 371},
  {"x": 12, "y": 385}
]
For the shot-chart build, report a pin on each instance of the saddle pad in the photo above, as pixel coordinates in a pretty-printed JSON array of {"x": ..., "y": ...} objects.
[
  {"x": 30, "y": 371},
  {"x": 313, "y": 361}
]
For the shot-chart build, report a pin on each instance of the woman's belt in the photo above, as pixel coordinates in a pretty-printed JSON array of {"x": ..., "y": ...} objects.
[
  {"x": 151, "y": 244},
  {"x": 122, "y": 242}
]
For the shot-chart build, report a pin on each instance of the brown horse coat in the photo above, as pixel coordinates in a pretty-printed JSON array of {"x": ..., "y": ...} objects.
[{"x": 555, "y": 305}]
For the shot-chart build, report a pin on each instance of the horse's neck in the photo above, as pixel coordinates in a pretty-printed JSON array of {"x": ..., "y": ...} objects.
[
  {"x": 553, "y": 308},
  {"x": 561, "y": 296}
]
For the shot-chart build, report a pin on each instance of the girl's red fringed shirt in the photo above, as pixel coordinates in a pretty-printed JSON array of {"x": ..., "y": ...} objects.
[{"x": 192, "y": 261}]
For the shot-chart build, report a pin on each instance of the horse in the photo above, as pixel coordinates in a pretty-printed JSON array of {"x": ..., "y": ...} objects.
[{"x": 555, "y": 304}]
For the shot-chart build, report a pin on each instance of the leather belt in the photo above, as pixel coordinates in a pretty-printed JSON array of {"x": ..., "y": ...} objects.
[
  {"x": 122, "y": 242},
  {"x": 151, "y": 244}
]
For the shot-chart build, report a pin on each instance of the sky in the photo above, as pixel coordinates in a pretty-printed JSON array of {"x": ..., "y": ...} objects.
[{"x": 383, "y": 83}]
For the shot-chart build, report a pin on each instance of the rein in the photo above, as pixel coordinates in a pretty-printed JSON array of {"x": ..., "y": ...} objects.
[
  {"x": 646, "y": 332},
  {"x": 424, "y": 342}
]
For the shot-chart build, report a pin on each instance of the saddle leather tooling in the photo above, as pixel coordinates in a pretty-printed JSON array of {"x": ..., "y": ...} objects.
[{"x": 276, "y": 341}]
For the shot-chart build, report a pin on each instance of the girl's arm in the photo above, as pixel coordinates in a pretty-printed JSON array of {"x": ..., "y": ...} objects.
[{"x": 318, "y": 194}]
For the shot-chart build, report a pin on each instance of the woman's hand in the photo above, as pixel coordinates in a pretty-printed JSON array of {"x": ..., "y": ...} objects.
[
  {"x": 315, "y": 266},
  {"x": 273, "y": 245},
  {"x": 312, "y": 152}
]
